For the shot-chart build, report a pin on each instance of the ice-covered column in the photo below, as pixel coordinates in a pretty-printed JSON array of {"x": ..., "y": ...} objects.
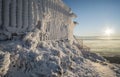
[
  {"x": 41, "y": 12},
  {"x": 30, "y": 15},
  {"x": 60, "y": 21},
  {"x": 54, "y": 20},
  {"x": 35, "y": 12},
  {"x": 40, "y": 9},
  {"x": 6, "y": 13},
  {"x": 25, "y": 15},
  {"x": 47, "y": 5},
  {"x": 49, "y": 10},
  {"x": 19, "y": 15},
  {"x": 11, "y": 28},
  {"x": 43, "y": 8},
  {"x": 38, "y": 17},
  {"x": 0, "y": 13},
  {"x": 13, "y": 13}
]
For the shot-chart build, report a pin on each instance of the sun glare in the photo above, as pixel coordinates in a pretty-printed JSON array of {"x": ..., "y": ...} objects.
[{"x": 109, "y": 31}]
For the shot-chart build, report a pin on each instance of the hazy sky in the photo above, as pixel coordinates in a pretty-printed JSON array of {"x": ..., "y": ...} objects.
[{"x": 94, "y": 16}]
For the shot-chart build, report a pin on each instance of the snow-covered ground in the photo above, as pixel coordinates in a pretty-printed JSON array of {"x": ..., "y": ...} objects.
[{"x": 28, "y": 58}]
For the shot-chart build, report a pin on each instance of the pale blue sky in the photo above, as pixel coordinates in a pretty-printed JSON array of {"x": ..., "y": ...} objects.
[{"x": 95, "y": 15}]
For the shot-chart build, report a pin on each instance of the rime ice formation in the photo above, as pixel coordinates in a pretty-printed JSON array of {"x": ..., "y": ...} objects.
[
  {"x": 52, "y": 17},
  {"x": 36, "y": 40}
]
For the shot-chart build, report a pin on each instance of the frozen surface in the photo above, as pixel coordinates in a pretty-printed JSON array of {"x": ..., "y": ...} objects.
[{"x": 32, "y": 58}]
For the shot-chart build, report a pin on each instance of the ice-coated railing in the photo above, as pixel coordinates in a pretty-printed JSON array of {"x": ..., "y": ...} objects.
[{"x": 17, "y": 17}]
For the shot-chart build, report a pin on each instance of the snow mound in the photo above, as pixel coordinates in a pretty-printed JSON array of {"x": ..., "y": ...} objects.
[{"x": 49, "y": 59}]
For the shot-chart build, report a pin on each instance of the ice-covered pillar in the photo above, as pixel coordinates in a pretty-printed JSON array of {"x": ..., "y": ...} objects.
[
  {"x": 40, "y": 10},
  {"x": 25, "y": 15},
  {"x": 30, "y": 15},
  {"x": 13, "y": 13},
  {"x": 43, "y": 17},
  {"x": 0, "y": 13},
  {"x": 6, "y": 13},
  {"x": 19, "y": 15},
  {"x": 50, "y": 9},
  {"x": 47, "y": 5},
  {"x": 35, "y": 12},
  {"x": 54, "y": 20},
  {"x": 43, "y": 6}
]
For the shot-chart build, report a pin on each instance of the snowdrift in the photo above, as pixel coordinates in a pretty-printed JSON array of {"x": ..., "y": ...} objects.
[{"x": 32, "y": 58}]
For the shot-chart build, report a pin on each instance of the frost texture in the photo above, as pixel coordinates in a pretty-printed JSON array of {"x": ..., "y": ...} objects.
[{"x": 52, "y": 17}]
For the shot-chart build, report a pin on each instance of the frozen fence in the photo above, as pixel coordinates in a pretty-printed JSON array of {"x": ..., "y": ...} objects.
[{"x": 51, "y": 17}]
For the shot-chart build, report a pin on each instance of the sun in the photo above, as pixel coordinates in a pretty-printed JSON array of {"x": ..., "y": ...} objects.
[{"x": 109, "y": 31}]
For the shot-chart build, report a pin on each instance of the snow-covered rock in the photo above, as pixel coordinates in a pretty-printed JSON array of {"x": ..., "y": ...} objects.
[{"x": 49, "y": 59}]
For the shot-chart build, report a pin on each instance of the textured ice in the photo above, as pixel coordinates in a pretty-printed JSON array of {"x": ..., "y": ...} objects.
[{"x": 21, "y": 58}]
